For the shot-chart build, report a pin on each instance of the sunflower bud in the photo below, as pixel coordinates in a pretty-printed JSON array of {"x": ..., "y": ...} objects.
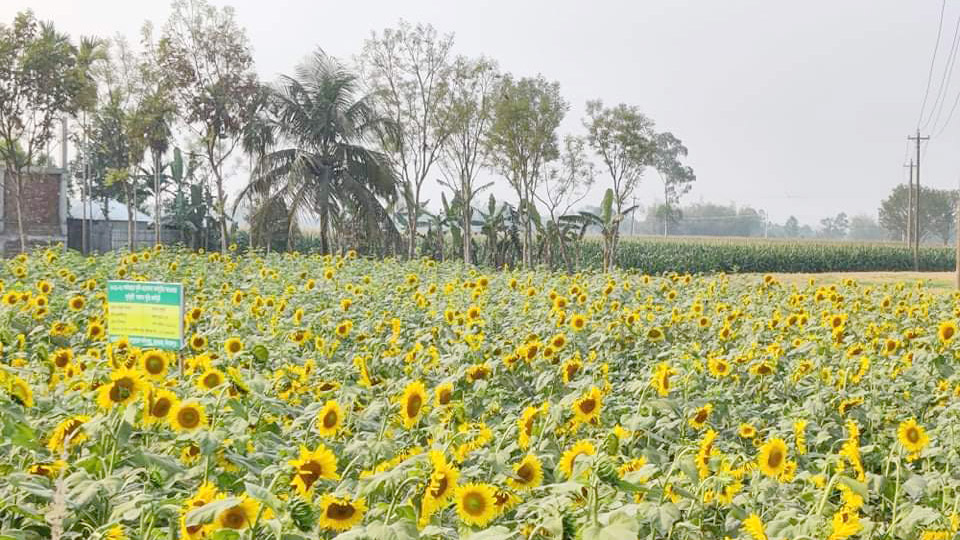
[
  {"x": 302, "y": 514},
  {"x": 606, "y": 470}
]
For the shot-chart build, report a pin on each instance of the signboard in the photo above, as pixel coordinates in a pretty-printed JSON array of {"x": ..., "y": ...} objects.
[{"x": 148, "y": 313}]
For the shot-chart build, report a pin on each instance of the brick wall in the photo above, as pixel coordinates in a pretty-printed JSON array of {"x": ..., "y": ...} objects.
[{"x": 40, "y": 206}]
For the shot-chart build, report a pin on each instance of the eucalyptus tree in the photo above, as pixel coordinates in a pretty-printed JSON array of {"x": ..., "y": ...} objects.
[
  {"x": 410, "y": 69},
  {"x": 523, "y": 138},
  {"x": 472, "y": 97},
  {"x": 41, "y": 80},
  {"x": 207, "y": 58},
  {"x": 322, "y": 162},
  {"x": 627, "y": 144}
]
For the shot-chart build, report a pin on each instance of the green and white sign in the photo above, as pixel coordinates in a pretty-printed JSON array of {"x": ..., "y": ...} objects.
[{"x": 148, "y": 313}]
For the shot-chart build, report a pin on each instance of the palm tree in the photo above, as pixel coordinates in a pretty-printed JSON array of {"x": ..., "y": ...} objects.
[{"x": 319, "y": 163}]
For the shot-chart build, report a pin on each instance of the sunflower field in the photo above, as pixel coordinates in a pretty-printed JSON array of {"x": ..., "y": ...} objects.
[{"x": 337, "y": 397}]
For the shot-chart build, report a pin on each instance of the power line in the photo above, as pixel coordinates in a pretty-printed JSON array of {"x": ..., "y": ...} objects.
[
  {"x": 943, "y": 89},
  {"x": 933, "y": 59}
]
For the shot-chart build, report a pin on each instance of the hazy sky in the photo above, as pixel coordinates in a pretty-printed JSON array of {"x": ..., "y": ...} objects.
[{"x": 798, "y": 108}]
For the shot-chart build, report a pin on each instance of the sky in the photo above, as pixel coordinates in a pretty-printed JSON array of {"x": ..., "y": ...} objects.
[{"x": 795, "y": 108}]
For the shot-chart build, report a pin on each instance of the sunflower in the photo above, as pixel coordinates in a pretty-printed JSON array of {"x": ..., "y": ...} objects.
[
  {"x": 525, "y": 426},
  {"x": 845, "y": 524},
  {"x": 570, "y": 368},
  {"x": 115, "y": 533},
  {"x": 443, "y": 483},
  {"x": 912, "y": 436},
  {"x": 61, "y": 358},
  {"x": 718, "y": 367},
  {"x": 77, "y": 302},
  {"x": 655, "y": 334},
  {"x": 747, "y": 431},
  {"x": 155, "y": 364},
  {"x": 947, "y": 331},
  {"x": 578, "y": 322},
  {"x": 187, "y": 416},
  {"x": 528, "y": 473},
  {"x": 312, "y": 466},
  {"x": 443, "y": 394},
  {"x": 476, "y": 504},
  {"x": 124, "y": 387},
  {"x": 68, "y": 430},
  {"x": 569, "y": 458},
  {"x": 773, "y": 457},
  {"x": 341, "y": 513},
  {"x": 329, "y": 419},
  {"x": 21, "y": 392},
  {"x": 210, "y": 379},
  {"x": 412, "y": 403},
  {"x": 50, "y": 469},
  {"x": 239, "y": 516},
  {"x": 198, "y": 342},
  {"x": 95, "y": 331},
  {"x": 157, "y": 405},
  {"x": 700, "y": 417},
  {"x": 343, "y": 329},
  {"x": 754, "y": 527},
  {"x": 233, "y": 346},
  {"x": 587, "y": 408},
  {"x": 661, "y": 379}
]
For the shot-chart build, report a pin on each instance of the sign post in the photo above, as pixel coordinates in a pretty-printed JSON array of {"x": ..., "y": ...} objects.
[{"x": 148, "y": 313}]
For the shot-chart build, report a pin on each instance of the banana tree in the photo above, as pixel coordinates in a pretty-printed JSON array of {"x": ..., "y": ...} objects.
[{"x": 608, "y": 221}]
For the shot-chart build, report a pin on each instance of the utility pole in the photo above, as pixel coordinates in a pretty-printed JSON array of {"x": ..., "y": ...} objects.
[
  {"x": 909, "y": 238},
  {"x": 916, "y": 209},
  {"x": 957, "y": 264}
]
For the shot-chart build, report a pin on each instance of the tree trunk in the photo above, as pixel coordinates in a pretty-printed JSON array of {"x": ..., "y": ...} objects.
[
  {"x": 411, "y": 231},
  {"x": 324, "y": 226},
  {"x": 157, "y": 238},
  {"x": 126, "y": 192},
  {"x": 18, "y": 181},
  {"x": 467, "y": 226}
]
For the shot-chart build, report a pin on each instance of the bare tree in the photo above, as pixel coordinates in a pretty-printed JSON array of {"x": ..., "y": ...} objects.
[
  {"x": 409, "y": 68},
  {"x": 472, "y": 96}
]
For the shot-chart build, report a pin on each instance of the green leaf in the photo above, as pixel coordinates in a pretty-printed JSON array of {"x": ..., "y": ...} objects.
[
  {"x": 261, "y": 353},
  {"x": 915, "y": 486},
  {"x": 493, "y": 533},
  {"x": 209, "y": 511}
]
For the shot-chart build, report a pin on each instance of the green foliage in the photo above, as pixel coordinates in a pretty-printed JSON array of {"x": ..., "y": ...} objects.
[{"x": 656, "y": 256}]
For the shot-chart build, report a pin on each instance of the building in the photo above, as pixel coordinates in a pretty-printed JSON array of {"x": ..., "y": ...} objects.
[
  {"x": 106, "y": 231},
  {"x": 44, "y": 210}
]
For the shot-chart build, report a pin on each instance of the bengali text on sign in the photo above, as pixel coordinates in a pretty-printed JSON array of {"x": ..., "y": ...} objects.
[{"x": 149, "y": 314}]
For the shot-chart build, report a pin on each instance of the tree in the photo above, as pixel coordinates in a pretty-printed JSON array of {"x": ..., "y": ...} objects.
[
  {"x": 623, "y": 138},
  {"x": 608, "y": 220},
  {"x": 791, "y": 228},
  {"x": 321, "y": 163},
  {"x": 677, "y": 177},
  {"x": 207, "y": 60},
  {"x": 472, "y": 96},
  {"x": 523, "y": 137},
  {"x": 155, "y": 113},
  {"x": 627, "y": 144},
  {"x": 936, "y": 212},
  {"x": 41, "y": 80},
  {"x": 410, "y": 69},
  {"x": 834, "y": 227},
  {"x": 864, "y": 227},
  {"x": 564, "y": 185}
]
